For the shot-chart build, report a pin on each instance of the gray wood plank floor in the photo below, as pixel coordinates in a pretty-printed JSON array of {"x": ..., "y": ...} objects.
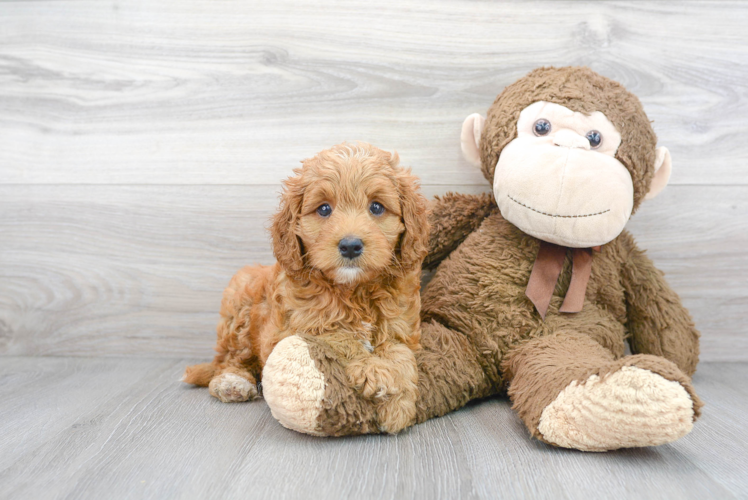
[{"x": 126, "y": 428}]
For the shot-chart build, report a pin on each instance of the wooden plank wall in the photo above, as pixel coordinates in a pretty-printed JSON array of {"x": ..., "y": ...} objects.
[{"x": 142, "y": 143}]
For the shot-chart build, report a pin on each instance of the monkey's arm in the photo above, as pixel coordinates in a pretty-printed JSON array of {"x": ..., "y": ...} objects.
[
  {"x": 657, "y": 321},
  {"x": 452, "y": 218}
]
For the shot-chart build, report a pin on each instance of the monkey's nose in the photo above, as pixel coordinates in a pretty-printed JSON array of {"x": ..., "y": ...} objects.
[
  {"x": 350, "y": 248},
  {"x": 568, "y": 139}
]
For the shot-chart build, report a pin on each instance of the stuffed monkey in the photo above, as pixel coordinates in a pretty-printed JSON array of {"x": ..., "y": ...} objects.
[{"x": 538, "y": 287}]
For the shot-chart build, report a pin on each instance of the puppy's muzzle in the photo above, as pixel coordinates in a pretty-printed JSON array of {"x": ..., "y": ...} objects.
[{"x": 350, "y": 248}]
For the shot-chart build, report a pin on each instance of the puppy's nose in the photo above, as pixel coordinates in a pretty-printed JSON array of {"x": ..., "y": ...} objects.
[{"x": 351, "y": 248}]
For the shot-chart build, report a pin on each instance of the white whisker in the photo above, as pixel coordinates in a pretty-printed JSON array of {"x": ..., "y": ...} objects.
[{"x": 347, "y": 275}]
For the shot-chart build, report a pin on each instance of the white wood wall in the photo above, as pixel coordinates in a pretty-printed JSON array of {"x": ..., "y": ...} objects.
[{"x": 142, "y": 142}]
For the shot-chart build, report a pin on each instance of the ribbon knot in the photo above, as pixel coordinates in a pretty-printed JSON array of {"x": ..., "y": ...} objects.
[{"x": 546, "y": 270}]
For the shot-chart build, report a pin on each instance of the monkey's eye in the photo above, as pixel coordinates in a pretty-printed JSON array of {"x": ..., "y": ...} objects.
[
  {"x": 376, "y": 208},
  {"x": 541, "y": 127},
  {"x": 324, "y": 210},
  {"x": 595, "y": 138}
]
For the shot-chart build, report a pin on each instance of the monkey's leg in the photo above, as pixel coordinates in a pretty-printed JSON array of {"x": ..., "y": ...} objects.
[
  {"x": 449, "y": 372},
  {"x": 306, "y": 386},
  {"x": 571, "y": 392},
  {"x": 308, "y": 390}
]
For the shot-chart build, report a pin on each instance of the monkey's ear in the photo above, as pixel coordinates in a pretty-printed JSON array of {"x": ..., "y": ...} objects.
[
  {"x": 663, "y": 169},
  {"x": 470, "y": 138}
]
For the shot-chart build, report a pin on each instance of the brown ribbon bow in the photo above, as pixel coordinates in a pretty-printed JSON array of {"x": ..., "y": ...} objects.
[{"x": 545, "y": 273}]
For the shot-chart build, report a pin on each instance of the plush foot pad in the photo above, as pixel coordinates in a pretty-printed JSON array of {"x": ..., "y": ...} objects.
[
  {"x": 631, "y": 407},
  {"x": 293, "y": 387},
  {"x": 231, "y": 388}
]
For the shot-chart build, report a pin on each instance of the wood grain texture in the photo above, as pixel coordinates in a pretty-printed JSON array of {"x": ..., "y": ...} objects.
[
  {"x": 124, "y": 270},
  {"x": 222, "y": 92},
  {"x": 79, "y": 431},
  {"x": 139, "y": 270},
  {"x": 142, "y": 143}
]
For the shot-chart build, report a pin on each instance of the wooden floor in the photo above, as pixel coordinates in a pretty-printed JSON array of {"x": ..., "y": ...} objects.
[{"x": 126, "y": 428}]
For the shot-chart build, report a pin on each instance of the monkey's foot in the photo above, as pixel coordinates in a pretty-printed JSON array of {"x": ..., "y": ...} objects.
[
  {"x": 630, "y": 407},
  {"x": 231, "y": 388},
  {"x": 293, "y": 387}
]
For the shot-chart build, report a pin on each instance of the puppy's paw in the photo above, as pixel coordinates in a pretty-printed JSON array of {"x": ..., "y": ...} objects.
[
  {"x": 399, "y": 411},
  {"x": 391, "y": 382},
  {"x": 373, "y": 377},
  {"x": 231, "y": 388}
]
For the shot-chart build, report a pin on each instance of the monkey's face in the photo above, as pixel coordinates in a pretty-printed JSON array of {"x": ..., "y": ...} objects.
[
  {"x": 559, "y": 179},
  {"x": 560, "y": 168}
]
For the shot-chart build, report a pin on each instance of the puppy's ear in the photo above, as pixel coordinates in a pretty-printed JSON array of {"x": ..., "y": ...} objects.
[
  {"x": 414, "y": 240},
  {"x": 286, "y": 244}
]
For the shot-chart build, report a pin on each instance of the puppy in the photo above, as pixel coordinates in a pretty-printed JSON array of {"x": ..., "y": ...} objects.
[{"x": 349, "y": 240}]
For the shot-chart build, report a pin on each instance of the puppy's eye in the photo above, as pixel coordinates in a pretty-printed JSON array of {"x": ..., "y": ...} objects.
[
  {"x": 376, "y": 208},
  {"x": 541, "y": 127},
  {"x": 324, "y": 210},
  {"x": 595, "y": 138}
]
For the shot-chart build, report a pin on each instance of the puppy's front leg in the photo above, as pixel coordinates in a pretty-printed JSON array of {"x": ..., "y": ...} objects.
[{"x": 389, "y": 376}]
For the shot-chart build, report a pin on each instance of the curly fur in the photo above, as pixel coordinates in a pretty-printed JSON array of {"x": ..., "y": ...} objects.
[{"x": 311, "y": 290}]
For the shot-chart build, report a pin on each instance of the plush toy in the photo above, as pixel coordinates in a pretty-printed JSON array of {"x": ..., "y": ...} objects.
[{"x": 538, "y": 288}]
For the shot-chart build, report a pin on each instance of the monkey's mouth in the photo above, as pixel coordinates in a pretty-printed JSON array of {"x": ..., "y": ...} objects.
[{"x": 556, "y": 215}]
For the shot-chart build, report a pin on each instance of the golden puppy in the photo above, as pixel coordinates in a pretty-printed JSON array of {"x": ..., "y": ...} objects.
[{"x": 350, "y": 237}]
